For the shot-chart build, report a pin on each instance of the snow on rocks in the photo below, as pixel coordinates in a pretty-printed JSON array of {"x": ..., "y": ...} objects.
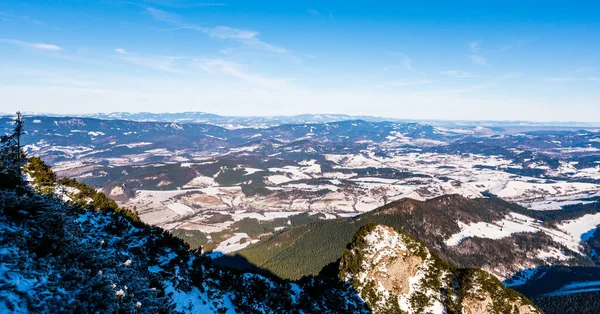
[{"x": 396, "y": 271}]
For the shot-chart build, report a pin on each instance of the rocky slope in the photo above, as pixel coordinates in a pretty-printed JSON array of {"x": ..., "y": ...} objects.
[{"x": 394, "y": 273}]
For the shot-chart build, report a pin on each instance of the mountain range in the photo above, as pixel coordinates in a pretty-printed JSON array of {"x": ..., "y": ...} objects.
[{"x": 291, "y": 207}]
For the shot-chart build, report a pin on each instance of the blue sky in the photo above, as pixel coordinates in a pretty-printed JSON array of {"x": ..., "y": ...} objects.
[{"x": 509, "y": 60}]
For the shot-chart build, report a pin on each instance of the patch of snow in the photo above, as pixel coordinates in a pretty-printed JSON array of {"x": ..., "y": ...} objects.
[
  {"x": 230, "y": 245},
  {"x": 512, "y": 223},
  {"x": 180, "y": 209},
  {"x": 581, "y": 228}
]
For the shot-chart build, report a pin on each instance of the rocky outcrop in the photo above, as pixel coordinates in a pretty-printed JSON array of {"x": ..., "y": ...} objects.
[{"x": 394, "y": 273}]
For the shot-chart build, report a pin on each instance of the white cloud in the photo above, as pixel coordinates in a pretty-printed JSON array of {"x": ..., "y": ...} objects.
[
  {"x": 477, "y": 59},
  {"x": 410, "y": 83},
  {"x": 573, "y": 79},
  {"x": 468, "y": 89},
  {"x": 584, "y": 70},
  {"x": 407, "y": 63},
  {"x": 30, "y": 45},
  {"x": 458, "y": 74},
  {"x": 312, "y": 12},
  {"x": 184, "y": 3},
  {"x": 453, "y": 92},
  {"x": 509, "y": 76},
  {"x": 475, "y": 55},
  {"x": 51, "y": 77},
  {"x": 244, "y": 36},
  {"x": 160, "y": 63},
  {"x": 11, "y": 17},
  {"x": 247, "y": 37},
  {"x": 231, "y": 69}
]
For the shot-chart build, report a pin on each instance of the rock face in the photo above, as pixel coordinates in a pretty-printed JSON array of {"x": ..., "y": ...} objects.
[{"x": 394, "y": 273}]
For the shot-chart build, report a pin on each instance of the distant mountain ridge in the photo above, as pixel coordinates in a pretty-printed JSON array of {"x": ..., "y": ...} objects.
[
  {"x": 268, "y": 121},
  {"x": 225, "y": 121}
]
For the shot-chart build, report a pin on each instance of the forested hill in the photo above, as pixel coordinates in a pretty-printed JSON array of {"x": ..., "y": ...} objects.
[{"x": 436, "y": 222}]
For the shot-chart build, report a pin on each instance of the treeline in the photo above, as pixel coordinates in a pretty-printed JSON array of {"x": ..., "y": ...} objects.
[
  {"x": 432, "y": 222},
  {"x": 14, "y": 165},
  {"x": 44, "y": 181},
  {"x": 577, "y": 303}
]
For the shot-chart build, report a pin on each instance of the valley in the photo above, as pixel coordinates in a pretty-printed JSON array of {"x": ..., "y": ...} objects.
[{"x": 507, "y": 199}]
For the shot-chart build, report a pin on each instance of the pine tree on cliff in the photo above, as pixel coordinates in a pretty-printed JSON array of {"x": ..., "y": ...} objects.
[{"x": 12, "y": 157}]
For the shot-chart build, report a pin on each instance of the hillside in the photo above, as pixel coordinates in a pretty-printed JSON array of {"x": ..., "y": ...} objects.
[
  {"x": 60, "y": 257},
  {"x": 498, "y": 236},
  {"x": 65, "y": 257}
]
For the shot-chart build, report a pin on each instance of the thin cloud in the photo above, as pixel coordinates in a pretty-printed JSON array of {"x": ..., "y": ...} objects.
[
  {"x": 243, "y": 36},
  {"x": 10, "y": 17},
  {"x": 31, "y": 45},
  {"x": 475, "y": 54},
  {"x": 231, "y": 69},
  {"x": 407, "y": 63},
  {"x": 513, "y": 46},
  {"x": 247, "y": 37},
  {"x": 573, "y": 79},
  {"x": 51, "y": 77},
  {"x": 468, "y": 89},
  {"x": 509, "y": 76},
  {"x": 452, "y": 92},
  {"x": 479, "y": 60},
  {"x": 583, "y": 70},
  {"x": 160, "y": 63},
  {"x": 312, "y": 12},
  {"x": 458, "y": 74},
  {"x": 410, "y": 83},
  {"x": 184, "y": 4}
]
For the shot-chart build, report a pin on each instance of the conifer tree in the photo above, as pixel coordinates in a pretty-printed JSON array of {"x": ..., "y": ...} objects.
[
  {"x": 12, "y": 158},
  {"x": 43, "y": 176}
]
